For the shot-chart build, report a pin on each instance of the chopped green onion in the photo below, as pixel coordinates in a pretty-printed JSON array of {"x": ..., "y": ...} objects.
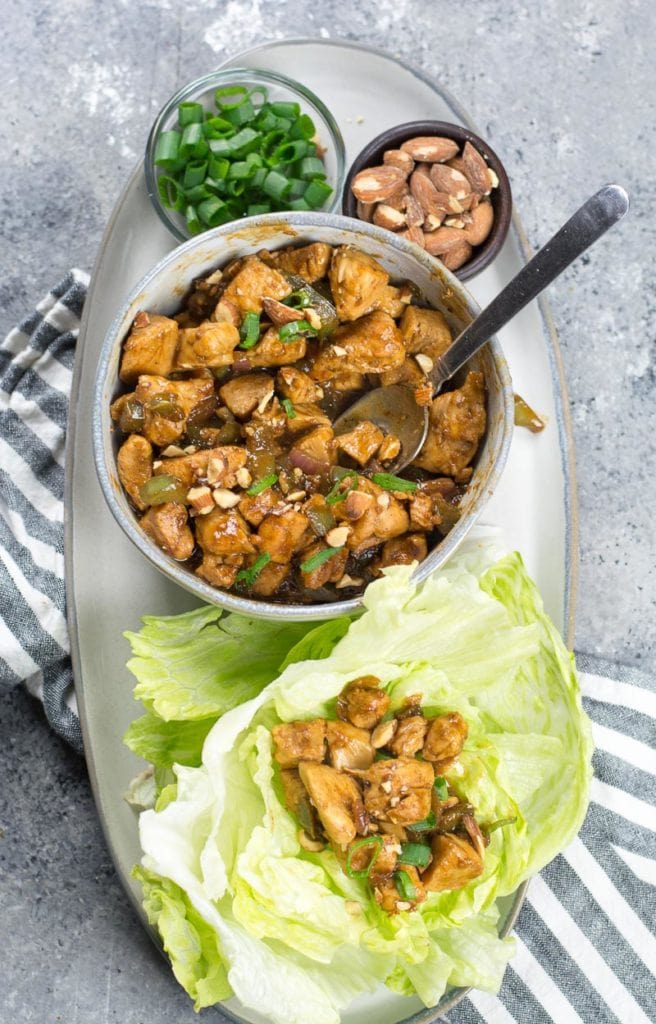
[
  {"x": 241, "y": 114},
  {"x": 311, "y": 167},
  {"x": 404, "y": 885},
  {"x": 217, "y": 128},
  {"x": 160, "y": 489},
  {"x": 416, "y": 854},
  {"x": 193, "y": 143},
  {"x": 195, "y": 173},
  {"x": 382, "y": 756},
  {"x": 236, "y": 187},
  {"x": 289, "y": 408},
  {"x": 394, "y": 483},
  {"x": 282, "y": 109},
  {"x": 299, "y": 204},
  {"x": 335, "y": 495},
  {"x": 262, "y": 485},
  {"x": 220, "y": 147},
  {"x": 240, "y": 169},
  {"x": 303, "y": 128},
  {"x": 243, "y": 139},
  {"x": 375, "y": 844},
  {"x": 213, "y": 211},
  {"x": 170, "y": 192},
  {"x": 167, "y": 150},
  {"x": 316, "y": 193},
  {"x": 319, "y": 558},
  {"x": 197, "y": 194},
  {"x": 255, "y": 209},
  {"x": 189, "y": 113},
  {"x": 298, "y": 300},
  {"x": 441, "y": 788},
  {"x": 500, "y": 823},
  {"x": 218, "y": 167},
  {"x": 249, "y": 332},
  {"x": 230, "y": 96},
  {"x": 289, "y": 331},
  {"x": 248, "y": 576},
  {"x": 276, "y": 185},
  {"x": 426, "y": 824},
  {"x": 288, "y": 152},
  {"x": 194, "y": 225}
]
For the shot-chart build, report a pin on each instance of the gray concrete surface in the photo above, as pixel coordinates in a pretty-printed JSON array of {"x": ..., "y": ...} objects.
[{"x": 566, "y": 93}]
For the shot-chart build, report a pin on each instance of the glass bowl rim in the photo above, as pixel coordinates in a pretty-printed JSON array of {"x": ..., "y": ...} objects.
[{"x": 201, "y": 85}]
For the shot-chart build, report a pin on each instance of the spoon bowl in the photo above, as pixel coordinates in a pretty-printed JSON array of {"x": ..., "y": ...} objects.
[{"x": 394, "y": 408}]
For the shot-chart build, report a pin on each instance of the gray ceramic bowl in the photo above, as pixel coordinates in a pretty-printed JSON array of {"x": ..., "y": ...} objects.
[{"x": 162, "y": 291}]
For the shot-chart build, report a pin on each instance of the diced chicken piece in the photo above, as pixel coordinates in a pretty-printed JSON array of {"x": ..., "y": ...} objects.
[
  {"x": 223, "y": 533},
  {"x": 345, "y": 380},
  {"x": 399, "y": 790},
  {"x": 383, "y": 519},
  {"x": 318, "y": 446},
  {"x": 149, "y": 348},
  {"x": 306, "y": 415},
  {"x": 408, "y": 372},
  {"x": 412, "y": 547},
  {"x": 361, "y": 443},
  {"x": 445, "y": 737},
  {"x": 426, "y": 331},
  {"x": 330, "y": 571},
  {"x": 371, "y": 344},
  {"x": 135, "y": 466},
  {"x": 297, "y": 386},
  {"x": 215, "y": 571},
  {"x": 256, "y": 507},
  {"x": 357, "y": 281},
  {"x": 455, "y": 863},
  {"x": 362, "y": 702},
  {"x": 167, "y": 525},
  {"x": 227, "y": 312},
  {"x": 282, "y": 536},
  {"x": 348, "y": 746},
  {"x": 252, "y": 282},
  {"x": 185, "y": 395},
  {"x": 216, "y": 466},
  {"x": 337, "y": 799},
  {"x": 272, "y": 351},
  {"x": 456, "y": 425},
  {"x": 270, "y": 578},
  {"x": 392, "y": 901},
  {"x": 310, "y": 262},
  {"x": 242, "y": 395},
  {"x": 380, "y": 859},
  {"x": 409, "y": 736},
  {"x": 394, "y": 300},
  {"x": 209, "y": 344},
  {"x": 293, "y": 789},
  {"x": 299, "y": 741}
]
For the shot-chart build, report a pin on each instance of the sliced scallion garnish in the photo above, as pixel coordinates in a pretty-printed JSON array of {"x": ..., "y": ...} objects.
[
  {"x": 249, "y": 332},
  {"x": 288, "y": 406},
  {"x": 500, "y": 823},
  {"x": 404, "y": 885},
  {"x": 426, "y": 824},
  {"x": 262, "y": 485},
  {"x": 373, "y": 843},
  {"x": 336, "y": 494},
  {"x": 441, "y": 788},
  {"x": 248, "y": 576},
  {"x": 289, "y": 331},
  {"x": 319, "y": 558},
  {"x": 394, "y": 483},
  {"x": 416, "y": 854}
]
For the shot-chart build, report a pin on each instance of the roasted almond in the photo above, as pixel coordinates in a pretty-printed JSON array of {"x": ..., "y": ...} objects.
[
  {"x": 423, "y": 169},
  {"x": 476, "y": 169},
  {"x": 430, "y": 148},
  {"x": 457, "y": 256},
  {"x": 398, "y": 158},
  {"x": 280, "y": 314},
  {"x": 430, "y": 200},
  {"x": 376, "y": 184},
  {"x": 414, "y": 214},
  {"x": 482, "y": 219},
  {"x": 387, "y": 217},
  {"x": 365, "y": 211},
  {"x": 439, "y": 242},
  {"x": 415, "y": 235},
  {"x": 447, "y": 179}
]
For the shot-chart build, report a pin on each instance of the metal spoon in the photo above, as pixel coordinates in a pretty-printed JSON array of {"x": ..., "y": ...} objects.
[{"x": 394, "y": 408}]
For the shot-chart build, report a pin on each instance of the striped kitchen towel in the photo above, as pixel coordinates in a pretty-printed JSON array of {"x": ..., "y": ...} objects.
[
  {"x": 585, "y": 946},
  {"x": 36, "y": 366}
]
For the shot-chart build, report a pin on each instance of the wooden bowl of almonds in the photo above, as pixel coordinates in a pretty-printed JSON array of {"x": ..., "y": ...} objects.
[{"x": 438, "y": 185}]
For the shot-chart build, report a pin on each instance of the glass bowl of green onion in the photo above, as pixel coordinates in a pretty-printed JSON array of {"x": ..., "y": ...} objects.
[{"x": 241, "y": 143}]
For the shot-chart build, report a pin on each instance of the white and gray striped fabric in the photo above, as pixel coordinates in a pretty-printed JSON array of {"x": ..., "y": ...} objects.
[{"x": 586, "y": 950}]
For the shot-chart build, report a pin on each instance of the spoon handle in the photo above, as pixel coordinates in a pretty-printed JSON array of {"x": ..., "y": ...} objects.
[{"x": 589, "y": 223}]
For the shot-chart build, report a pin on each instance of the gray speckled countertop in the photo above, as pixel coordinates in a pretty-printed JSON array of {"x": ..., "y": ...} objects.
[{"x": 567, "y": 94}]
